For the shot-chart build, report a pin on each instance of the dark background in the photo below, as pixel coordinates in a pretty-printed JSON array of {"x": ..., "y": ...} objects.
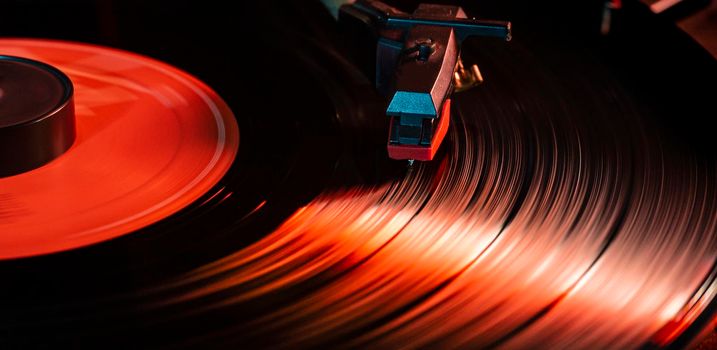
[{"x": 250, "y": 55}]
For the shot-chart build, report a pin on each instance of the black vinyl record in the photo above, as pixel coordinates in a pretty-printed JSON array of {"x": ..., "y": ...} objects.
[{"x": 572, "y": 204}]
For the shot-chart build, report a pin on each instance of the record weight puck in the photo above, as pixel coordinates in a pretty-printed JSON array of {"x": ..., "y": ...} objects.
[{"x": 37, "y": 119}]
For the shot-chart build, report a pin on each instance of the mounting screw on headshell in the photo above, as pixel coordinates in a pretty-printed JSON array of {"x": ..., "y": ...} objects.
[{"x": 425, "y": 47}]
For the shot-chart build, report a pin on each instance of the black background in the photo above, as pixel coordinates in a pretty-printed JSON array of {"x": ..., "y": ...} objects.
[{"x": 256, "y": 54}]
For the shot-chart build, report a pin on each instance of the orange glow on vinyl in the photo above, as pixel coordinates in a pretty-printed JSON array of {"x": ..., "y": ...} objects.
[
  {"x": 433, "y": 259},
  {"x": 572, "y": 203},
  {"x": 150, "y": 140}
]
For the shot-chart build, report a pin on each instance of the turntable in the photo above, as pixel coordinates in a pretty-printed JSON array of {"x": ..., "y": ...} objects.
[{"x": 296, "y": 175}]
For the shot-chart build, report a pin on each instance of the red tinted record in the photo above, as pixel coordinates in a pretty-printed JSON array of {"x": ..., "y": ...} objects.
[{"x": 151, "y": 139}]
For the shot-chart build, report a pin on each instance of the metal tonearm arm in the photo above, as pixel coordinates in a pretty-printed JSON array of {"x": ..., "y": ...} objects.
[{"x": 416, "y": 66}]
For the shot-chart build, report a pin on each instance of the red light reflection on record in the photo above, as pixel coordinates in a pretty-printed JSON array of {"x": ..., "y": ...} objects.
[
  {"x": 455, "y": 255},
  {"x": 151, "y": 140}
]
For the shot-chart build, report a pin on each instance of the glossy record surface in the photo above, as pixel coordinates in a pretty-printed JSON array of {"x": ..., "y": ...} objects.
[
  {"x": 150, "y": 140},
  {"x": 572, "y": 205}
]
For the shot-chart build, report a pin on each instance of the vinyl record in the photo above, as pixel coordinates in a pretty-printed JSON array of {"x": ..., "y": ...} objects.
[
  {"x": 150, "y": 140},
  {"x": 572, "y": 205}
]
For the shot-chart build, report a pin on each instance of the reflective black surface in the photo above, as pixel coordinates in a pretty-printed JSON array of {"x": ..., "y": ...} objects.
[{"x": 310, "y": 123}]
